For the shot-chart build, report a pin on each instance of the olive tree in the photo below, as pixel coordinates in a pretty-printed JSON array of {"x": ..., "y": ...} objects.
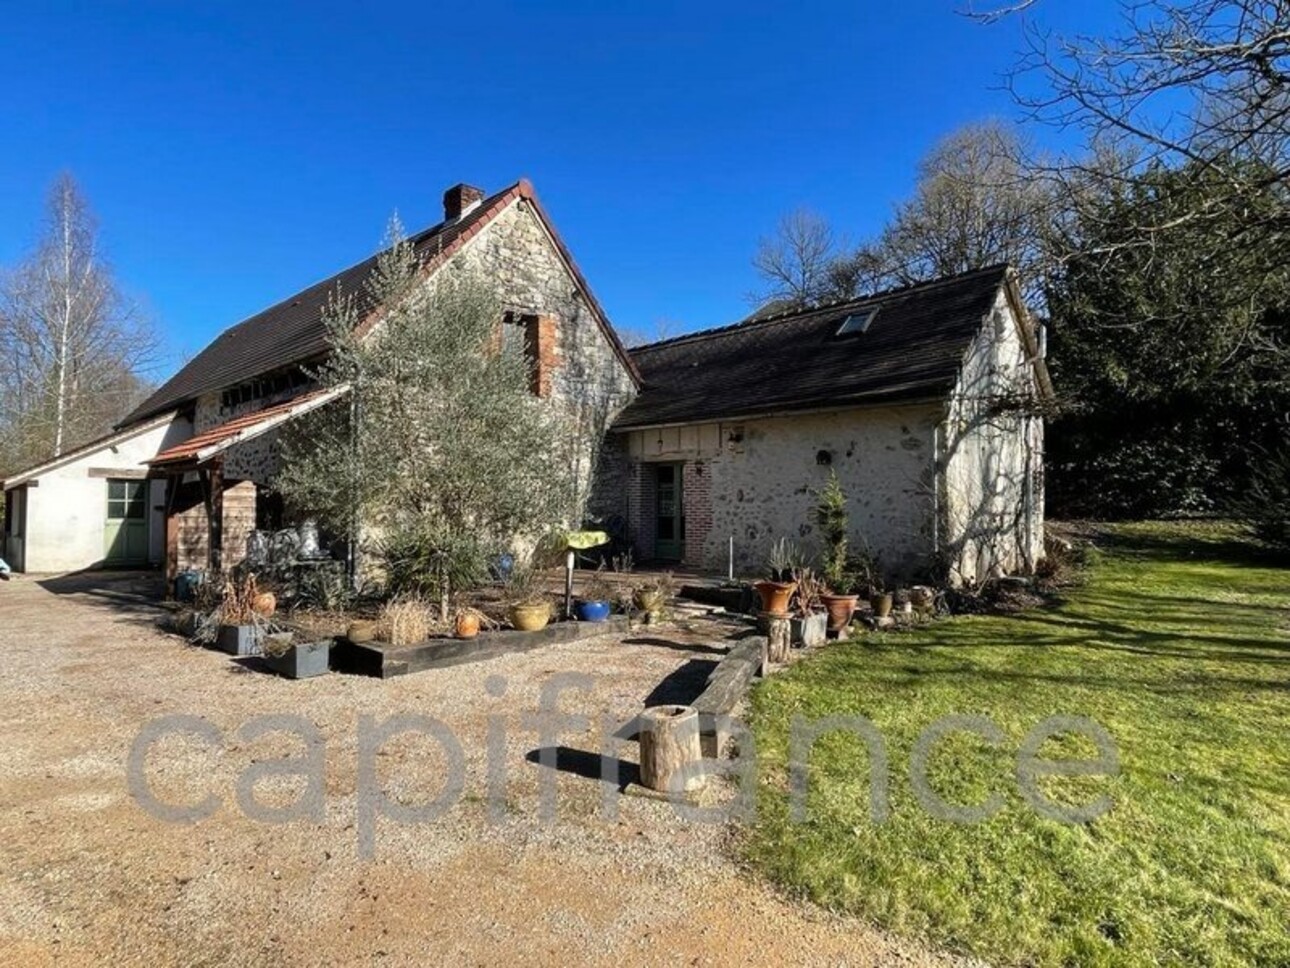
[{"x": 437, "y": 453}]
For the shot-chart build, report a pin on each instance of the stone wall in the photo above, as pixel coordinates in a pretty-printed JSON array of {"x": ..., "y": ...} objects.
[
  {"x": 992, "y": 488},
  {"x": 257, "y": 459},
  {"x": 756, "y": 481},
  {"x": 515, "y": 253},
  {"x": 576, "y": 367}
]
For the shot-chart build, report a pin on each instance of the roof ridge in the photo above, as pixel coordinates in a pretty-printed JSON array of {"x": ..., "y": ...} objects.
[
  {"x": 462, "y": 229},
  {"x": 413, "y": 238},
  {"x": 745, "y": 324}
]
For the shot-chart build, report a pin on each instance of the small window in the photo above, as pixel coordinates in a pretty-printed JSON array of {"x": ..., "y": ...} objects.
[
  {"x": 857, "y": 323},
  {"x": 127, "y": 500}
]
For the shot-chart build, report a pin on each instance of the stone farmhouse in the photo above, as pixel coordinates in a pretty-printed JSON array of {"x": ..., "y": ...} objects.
[
  {"x": 921, "y": 399},
  {"x": 187, "y": 475}
]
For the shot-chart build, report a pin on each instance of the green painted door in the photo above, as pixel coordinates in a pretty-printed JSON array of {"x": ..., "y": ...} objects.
[
  {"x": 126, "y": 533},
  {"x": 669, "y": 526}
]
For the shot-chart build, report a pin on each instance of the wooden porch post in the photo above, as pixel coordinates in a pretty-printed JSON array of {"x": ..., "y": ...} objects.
[
  {"x": 172, "y": 530},
  {"x": 212, "y": 479}
]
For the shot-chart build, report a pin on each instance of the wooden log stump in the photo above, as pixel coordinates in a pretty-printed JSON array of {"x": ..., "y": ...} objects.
[
  {"x": 780, "y": 640},
  {"x": 669, "y": 738}
]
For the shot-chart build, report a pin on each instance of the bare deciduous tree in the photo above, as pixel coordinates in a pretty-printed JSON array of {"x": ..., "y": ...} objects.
[
  {"x": 1203, "y": 83},
  {"x": 70, "y": 344},
  {"x": 796, "y": 262},
  {"x": 976, "y": 204}
]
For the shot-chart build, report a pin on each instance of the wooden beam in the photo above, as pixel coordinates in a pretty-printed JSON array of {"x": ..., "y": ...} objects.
[{"x": 119, "y": 473}]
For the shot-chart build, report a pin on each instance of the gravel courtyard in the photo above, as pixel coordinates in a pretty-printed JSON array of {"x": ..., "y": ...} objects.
[{"x": 90, "y": 877}]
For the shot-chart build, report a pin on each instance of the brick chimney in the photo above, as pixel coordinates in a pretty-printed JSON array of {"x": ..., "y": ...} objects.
[{"x": 459, "y": 200}]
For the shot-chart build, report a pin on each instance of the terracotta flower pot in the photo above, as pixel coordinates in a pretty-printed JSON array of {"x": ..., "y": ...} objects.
[
  {"x": 775, "y": 596},
  {"x": 530, "y": 617},
  {"x": 360, "y": 631},
  {"x": 467, "y": 625},
  {"x": 841, "y": 608},
  {"x": 264, "y": 604},
  {"x": 881, "y": 603}
]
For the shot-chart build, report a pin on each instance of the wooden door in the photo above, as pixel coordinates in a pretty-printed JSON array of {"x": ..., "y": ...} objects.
[
  {"x": 125, "y": 540},
  {"x": 669, "y": 517}
]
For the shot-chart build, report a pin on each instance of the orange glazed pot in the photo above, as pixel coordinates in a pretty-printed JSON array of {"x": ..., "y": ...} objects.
[
  {"x": 775, "y": 596},
  {"x": 467, "y": 625}
]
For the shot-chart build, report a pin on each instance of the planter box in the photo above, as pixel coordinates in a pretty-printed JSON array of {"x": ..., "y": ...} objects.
[
  {"x": 239, "y": 639},
  {"x": 301, "y": 661},
  {"x": 811, "y": 631}
]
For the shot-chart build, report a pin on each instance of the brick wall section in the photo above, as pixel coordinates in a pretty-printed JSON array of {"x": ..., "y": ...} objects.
[
  {"x": 640, "y": 513},
  {"x": 542, "y": 345},
  {"x": 239, "y": 520},
  {"x": 696, "y": 483},
  {"x": 192, "y": 544}
]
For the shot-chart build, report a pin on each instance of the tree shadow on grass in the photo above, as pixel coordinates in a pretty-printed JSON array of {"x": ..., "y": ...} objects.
[{"x": 1186, "y": 541}]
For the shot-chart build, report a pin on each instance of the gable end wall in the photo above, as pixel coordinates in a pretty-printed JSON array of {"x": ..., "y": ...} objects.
[{"x": 992, "y": 458}]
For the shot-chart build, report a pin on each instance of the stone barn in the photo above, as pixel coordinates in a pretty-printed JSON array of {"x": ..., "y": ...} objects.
[{"x": 926, "y": 401}]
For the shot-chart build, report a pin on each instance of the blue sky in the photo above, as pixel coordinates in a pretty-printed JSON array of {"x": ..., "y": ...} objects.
[{"x": 235, "y": 152}]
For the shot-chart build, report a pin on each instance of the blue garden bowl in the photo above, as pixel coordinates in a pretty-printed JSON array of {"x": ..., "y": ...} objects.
[{"x": 591, "y": 611}]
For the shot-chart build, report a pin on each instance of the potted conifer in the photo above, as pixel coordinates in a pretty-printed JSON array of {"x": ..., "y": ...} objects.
[{"x": 834, "y": 523}]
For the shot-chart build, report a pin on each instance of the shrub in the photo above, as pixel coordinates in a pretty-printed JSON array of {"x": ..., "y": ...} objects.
[
  {"x": 833, "y": 521},
  {"x": 1265, "y": 506},
  {"x": 419, "y": 563},
  {"x": 404, "y": 621}
]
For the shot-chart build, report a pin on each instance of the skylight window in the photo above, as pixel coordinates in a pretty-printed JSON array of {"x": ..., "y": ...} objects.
[{"x": 857, "y": 323}]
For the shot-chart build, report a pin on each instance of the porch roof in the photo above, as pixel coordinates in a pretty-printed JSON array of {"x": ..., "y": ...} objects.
[{"x": 200, "y": 448}]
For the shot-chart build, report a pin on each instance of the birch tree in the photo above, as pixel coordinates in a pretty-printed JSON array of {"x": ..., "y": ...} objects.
[{"x": 71, "y": 345}]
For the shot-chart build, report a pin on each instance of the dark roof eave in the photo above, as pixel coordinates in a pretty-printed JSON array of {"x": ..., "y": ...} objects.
[{"x": 880, "y": 401}]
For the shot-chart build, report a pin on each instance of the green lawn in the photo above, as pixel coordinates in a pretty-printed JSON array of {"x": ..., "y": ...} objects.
[{"x": 1178, "y": 643}]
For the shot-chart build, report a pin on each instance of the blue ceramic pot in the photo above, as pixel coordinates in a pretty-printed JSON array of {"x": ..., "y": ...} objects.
[{"x": 591, "y": 611}]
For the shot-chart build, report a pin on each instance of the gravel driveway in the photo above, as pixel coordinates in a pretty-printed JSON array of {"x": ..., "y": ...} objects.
[{"x": 90, "y": 877}]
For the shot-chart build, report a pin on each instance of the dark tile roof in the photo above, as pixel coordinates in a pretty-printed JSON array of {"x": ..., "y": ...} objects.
[
  {"x": 912, "y": 350},
  {"x": 292, "y": 332}
]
